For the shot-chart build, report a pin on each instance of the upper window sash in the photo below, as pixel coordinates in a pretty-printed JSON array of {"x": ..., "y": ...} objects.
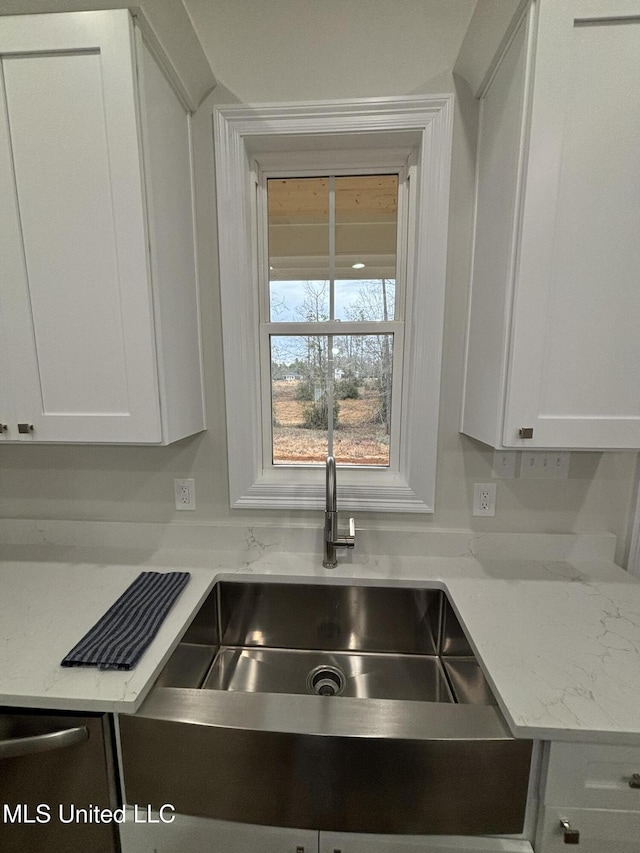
[{"x": 398, "y": 162}]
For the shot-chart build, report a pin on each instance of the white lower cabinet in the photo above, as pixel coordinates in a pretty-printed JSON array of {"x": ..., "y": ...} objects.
[
  {"x": 600, "y": 830},
  {"x": 343, "y": 842},
  {"x": 144, "y": 833},
  {"x": 590, "y": 799}
]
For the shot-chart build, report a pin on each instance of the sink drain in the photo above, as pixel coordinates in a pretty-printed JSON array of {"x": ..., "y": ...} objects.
[{"x": 325, "y": 681}]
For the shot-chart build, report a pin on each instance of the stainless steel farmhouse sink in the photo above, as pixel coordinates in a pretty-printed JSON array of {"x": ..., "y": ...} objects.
[{"x": 334, "y": 707}]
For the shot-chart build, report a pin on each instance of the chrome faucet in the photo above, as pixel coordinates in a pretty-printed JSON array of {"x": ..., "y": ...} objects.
[{"x": 331, "y": 538}]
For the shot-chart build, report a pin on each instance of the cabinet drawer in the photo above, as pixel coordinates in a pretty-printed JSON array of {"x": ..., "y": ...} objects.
[
  {"x": 593, "y": 776},
  {"x": 600, "y": 831}
]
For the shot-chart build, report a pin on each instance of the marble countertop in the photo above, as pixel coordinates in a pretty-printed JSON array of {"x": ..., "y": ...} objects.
[
  {"x": 558, "y": 639},
  {"x": 45, "y": 608}
]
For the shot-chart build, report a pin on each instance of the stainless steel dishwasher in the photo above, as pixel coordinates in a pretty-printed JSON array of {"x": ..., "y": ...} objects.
[{"x": 52, "y": 765}]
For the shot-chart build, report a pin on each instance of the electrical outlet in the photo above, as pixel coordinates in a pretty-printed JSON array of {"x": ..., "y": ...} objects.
[
  {"x": 545, "y": 464},
  {"x": 484, "y": 498},
  {"x": 504, "y": 464},
  {"x": 185, "y": 494}
]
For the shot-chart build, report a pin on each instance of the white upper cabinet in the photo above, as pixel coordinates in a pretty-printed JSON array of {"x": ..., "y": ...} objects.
[
  {"x": 553, "y": 346},
  {"x": 98, "y": 288}
]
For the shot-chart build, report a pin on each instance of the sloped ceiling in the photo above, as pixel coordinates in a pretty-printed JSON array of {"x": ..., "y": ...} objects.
[{"x": 315, "y": 49}]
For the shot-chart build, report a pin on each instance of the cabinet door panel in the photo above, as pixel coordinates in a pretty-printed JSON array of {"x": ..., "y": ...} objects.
[
  {"x": 600, "y": 831},
  {"x": 201, "y": 835},
  {"x": 573, "y": 375},
  {"x": 75, "y": 283}
]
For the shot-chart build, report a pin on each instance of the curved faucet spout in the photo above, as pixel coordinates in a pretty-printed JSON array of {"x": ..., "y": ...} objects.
[
  {"x": 332, "y": 501},
  {"x": 331, "y": 538}
]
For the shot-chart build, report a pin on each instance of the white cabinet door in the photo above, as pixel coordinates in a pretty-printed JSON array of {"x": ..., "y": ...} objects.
[
  {"x": 342, "y": 842},
  {"x": 600, "y": 831},
  {"x": 75, "y": 282},
  {"x": 201, "y": 835},
  {"x": 98, "y": 292},
  {"x": 552, "y": 346},
  {"x": 574, "y": 374}
]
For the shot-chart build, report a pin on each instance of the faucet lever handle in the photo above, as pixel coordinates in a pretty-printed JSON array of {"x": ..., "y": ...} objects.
[{"x": 349, "y": 541}]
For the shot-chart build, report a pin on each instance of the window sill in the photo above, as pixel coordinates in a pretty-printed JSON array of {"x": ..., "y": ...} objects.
[{"x": 358, "y": 491}]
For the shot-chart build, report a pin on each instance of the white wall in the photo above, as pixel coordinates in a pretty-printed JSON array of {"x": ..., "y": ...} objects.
[{"x": 343, "y": 48}]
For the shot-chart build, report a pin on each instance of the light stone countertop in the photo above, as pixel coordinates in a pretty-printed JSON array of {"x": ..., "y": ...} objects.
[
  {"x": 558, "y": 639},
  {"x": 46, "y": 608}
]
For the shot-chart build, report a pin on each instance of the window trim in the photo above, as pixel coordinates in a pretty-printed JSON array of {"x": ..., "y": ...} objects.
[{"x": 423, "y": 124}]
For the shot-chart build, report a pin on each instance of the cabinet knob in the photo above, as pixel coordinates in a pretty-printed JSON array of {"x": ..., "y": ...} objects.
[
  {"x": 634, "y": 782},
  {"x": 3, "y": 427},
  {"x": 525, "y": 432},
  {"x": 25, "y": 429},
  {"x": 571, "y": 836}
]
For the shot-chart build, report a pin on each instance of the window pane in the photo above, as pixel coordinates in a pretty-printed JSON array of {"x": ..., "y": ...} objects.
[
  {"x": 364, "y": 262},
  {"x": 299, "y": 399},
  {"x": 295, "y": 301},
  {"x": 366, "y": 300},
  {"x": 359, "y": 396},
  {"x": 298, "y": 230},
  {"x": 366, "y": 215},
  {"x": 362, "y": 387}
]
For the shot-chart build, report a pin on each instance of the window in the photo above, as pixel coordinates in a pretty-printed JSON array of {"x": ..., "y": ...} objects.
[
  {"x": 332, "y": 265},
  {"x": 332, "y": 224}
]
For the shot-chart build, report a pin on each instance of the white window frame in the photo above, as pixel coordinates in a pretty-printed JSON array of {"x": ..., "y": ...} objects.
[{"x": 371, "y": 131}]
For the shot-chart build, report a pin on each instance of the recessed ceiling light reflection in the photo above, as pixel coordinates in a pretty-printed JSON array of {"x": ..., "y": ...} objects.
[{"x": 357, "y": 266}]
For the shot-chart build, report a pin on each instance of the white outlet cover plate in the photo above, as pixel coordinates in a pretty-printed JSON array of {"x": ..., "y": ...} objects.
[
  {"x": 185, "y": 494},
  {"x": 484, "y": 499}
]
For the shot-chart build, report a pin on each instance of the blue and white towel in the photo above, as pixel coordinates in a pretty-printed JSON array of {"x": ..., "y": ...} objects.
[{"x": 120, "y": 637}]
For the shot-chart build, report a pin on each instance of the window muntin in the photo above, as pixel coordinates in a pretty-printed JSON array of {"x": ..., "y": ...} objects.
[{"x": 332, "y": 250}]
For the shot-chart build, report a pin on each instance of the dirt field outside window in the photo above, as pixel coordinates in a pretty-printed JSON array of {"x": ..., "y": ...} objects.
[{"x": 359, "y": 438}]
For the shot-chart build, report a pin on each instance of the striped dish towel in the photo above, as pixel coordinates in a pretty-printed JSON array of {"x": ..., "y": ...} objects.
[{"x": 120, "y": 637}]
